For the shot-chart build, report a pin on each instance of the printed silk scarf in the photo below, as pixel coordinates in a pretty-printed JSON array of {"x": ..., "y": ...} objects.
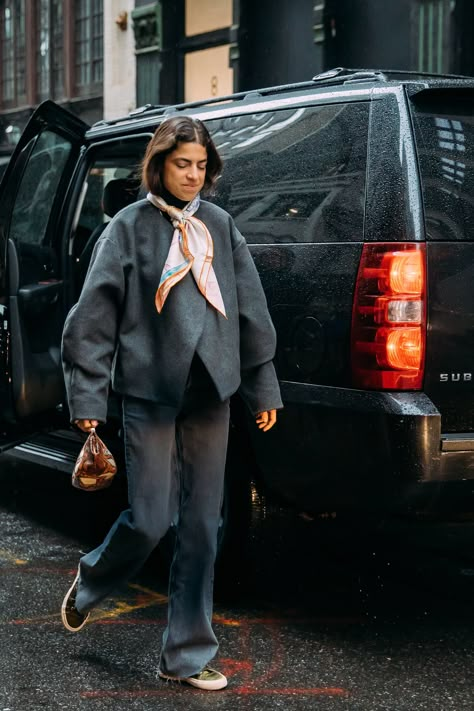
[{"x": 192, "y": 249}]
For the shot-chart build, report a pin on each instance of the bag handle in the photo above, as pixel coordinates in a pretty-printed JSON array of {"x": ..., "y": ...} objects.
[{"x": 93, "y": 441}]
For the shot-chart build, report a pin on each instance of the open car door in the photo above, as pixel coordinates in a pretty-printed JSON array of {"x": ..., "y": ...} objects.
[{"x": 32, "y": 195}]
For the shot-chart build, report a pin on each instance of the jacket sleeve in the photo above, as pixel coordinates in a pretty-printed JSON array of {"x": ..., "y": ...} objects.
[
  {"x": 90, "y": 334},
  {"x": 259, "y": 384}
]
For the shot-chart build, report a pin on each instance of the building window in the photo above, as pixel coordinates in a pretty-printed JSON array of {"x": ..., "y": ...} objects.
[
  {"x": 13, "y": 77},
  {"x": 88, "y": 44},
  {"x": 58, "y": 48},
  {"x": 42, "y": 50},
  {"x": 49, "y": 49},
  {"x": 432, "y": 33},
  {"x": 207, "y": 48},
  {"x": 207, "y": 73},
  {"x": 207, "y": 15}
]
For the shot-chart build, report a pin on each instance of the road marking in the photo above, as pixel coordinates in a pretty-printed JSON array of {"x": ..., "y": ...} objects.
[
  {"x": 10, "y": 558},
  {"x": 242, "y": 669},
  {"x": 293, "y": 691},
  {"x": 162, "y": 599},
  {"x": 240, "y": 691},
  {"x": 54, "y": 617},
  {"x": 145, "y": 598},
  {"x": 227, "y": 621}
]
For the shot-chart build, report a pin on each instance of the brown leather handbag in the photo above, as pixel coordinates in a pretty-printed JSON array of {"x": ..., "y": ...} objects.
[{"x": 95, "y": 466}]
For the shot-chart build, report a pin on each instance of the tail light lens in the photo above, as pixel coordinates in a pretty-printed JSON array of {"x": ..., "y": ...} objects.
[{"x": 388, "y": 319}]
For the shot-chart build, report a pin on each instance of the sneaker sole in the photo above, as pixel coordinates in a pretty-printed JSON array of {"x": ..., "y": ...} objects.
[
  {"x": 203, "y": 685},
  {"x": 63, "y": 609}
]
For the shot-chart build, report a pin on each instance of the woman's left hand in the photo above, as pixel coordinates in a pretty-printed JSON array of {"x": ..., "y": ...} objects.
[{"x": 266, "y": 420}]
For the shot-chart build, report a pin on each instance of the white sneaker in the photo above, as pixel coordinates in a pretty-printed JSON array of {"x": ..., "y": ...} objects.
[{"x": 207, "y": 679}]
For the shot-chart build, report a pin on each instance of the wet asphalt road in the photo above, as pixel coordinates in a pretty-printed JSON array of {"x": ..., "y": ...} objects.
[{"x": 320, "y": 614}]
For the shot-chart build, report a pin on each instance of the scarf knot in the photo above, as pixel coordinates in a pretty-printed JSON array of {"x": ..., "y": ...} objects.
[{"x": 191, "y": 249}]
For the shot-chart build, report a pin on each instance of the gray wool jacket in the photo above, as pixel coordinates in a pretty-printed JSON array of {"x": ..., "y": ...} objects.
[{"x": 114, "y": 333}]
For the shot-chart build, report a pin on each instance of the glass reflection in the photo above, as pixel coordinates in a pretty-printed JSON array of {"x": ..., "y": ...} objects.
[
  {"x": 295, "y": 175},
  {"x": 444, "y": 132}
]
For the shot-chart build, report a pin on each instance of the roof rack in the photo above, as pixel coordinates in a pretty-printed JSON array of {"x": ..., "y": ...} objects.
[
  {"x": 136, "y": 112},
  {"x": 331, "y": 77},
  {"x": 400, "y": 74},
  {"x": 342, "y": 75},
  {"x": 168, "y": 110}
]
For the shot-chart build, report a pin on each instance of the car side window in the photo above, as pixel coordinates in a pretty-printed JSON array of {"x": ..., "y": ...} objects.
[
  {"x": 111, "y": 183},
  {"x": 38, "y": 187},
  {"x": 295, "y": 175}
]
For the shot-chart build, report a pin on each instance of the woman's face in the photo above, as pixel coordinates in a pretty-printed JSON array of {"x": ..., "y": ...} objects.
[{"x": 184, "y": 170}]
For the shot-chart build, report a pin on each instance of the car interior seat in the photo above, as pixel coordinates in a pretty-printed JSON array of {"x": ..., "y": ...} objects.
[{"x": 117, "y": 194}]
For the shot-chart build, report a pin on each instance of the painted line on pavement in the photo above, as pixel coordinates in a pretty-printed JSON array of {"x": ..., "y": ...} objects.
[
  {"x": 9, "y": 557},
  {"x": 145, "y": 598},
  {"x": 249, "y": 684},
  {"x": 240, "y": 691}
]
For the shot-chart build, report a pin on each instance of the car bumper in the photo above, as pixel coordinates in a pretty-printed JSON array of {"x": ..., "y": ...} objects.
[{"x": 338, "y": 448}]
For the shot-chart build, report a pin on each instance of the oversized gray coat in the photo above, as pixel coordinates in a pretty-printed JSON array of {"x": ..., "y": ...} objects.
[{"x": 114, "y": 332}]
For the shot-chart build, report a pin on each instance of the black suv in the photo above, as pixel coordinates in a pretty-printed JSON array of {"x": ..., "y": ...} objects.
[{"x": 355, "y": 192}]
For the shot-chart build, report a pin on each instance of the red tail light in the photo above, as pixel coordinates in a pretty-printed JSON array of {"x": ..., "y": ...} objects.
[{"x": 388, "y": 318}]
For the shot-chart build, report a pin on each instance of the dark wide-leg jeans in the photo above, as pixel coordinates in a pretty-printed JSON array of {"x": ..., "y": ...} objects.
[{"x": 175, "y": 466}]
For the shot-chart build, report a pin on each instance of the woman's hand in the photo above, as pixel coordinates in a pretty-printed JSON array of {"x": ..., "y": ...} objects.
[
  {"x": 86, "y": 425},
  {"x": 266, "y": 420}
]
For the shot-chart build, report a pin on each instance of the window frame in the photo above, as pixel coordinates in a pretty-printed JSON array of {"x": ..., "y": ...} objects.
[
  {"x": 431, "y": 35},
  {"x": 59, "y": 70},
  {"x": 18, "y": 97},
  {"x": 89, "y": 87}
]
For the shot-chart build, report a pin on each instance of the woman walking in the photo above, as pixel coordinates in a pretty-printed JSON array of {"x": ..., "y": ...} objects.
[{"x": 173, "y": 313}]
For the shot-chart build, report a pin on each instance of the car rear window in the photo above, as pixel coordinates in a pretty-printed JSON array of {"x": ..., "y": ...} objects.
[
  {"x": 295, "y": 175},
  {"x": 444, "y": 134}
]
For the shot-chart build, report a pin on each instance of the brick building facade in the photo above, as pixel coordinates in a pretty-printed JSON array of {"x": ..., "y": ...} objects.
[{"x": 104, "y": 57}]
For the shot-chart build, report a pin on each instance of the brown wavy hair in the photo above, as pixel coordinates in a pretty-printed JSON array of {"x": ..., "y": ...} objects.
[{"x": 175, "y": 130}]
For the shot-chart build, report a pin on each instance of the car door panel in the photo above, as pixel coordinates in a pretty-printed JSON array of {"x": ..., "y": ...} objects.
[
  {"x": 32, "y": 195},
  {"x": 34, "y": 318}
]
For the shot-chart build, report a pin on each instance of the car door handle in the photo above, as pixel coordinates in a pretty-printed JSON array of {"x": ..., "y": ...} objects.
[{"x": 35, "y": 298}]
